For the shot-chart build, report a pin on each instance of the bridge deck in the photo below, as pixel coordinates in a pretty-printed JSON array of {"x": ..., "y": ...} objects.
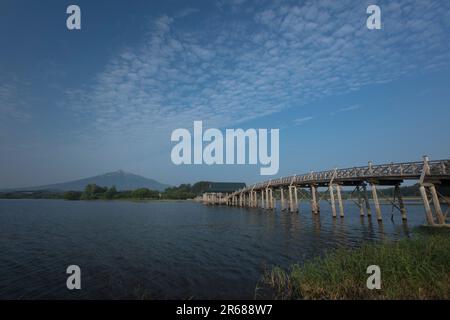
[
  {"x": 388, "y": 174},
  {"x": 428, "y": 173}
]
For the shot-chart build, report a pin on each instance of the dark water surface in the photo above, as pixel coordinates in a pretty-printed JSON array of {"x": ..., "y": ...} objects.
[{"x": 167, "y": 249}]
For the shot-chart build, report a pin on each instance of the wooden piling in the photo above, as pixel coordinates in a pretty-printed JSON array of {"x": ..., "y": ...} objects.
[
  {"x": 341, "y": 205},
  {"x": 282, "y": 199},
  {"x": 291, "y": 205},
  {"x": 272, "y": 199},
  {"x": 426, "y": 204},
  {"x": 366, "y": 200},
  {"x": 262, "y": 199},
  {"x": 295, "y": 199},
  {"x": 376, "y": 202},
  {"x": 361, "y": 208},
  {"x": 400, "y": 202},
  {"x": 314, "y": 205},
  {"x": 333, "y": 203},
  {"x": 436, "y": 204}
]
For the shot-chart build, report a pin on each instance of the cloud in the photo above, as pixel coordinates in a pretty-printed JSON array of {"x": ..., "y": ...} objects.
[
  {"x": 261, "y": 61},
  {"x": 300, "y": 121},
  {"x": 13, "y": 101},
  {"x": 346, "y": 109},
  {"x": 186, "y": 12},
  {"x": 351, "y": 108}
]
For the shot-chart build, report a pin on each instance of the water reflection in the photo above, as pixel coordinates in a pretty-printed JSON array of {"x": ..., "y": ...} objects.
[{"x": 169, "y": 249}]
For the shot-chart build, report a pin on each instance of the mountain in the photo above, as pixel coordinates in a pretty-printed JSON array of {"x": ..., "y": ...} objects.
[{"x": 122, "y": 180}]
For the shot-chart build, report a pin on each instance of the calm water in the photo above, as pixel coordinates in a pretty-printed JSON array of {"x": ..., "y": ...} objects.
[{"x": 167, "y": 249}]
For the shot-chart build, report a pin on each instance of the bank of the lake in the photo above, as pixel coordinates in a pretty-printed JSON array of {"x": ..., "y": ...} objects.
[{"x": 414, "y": 268}]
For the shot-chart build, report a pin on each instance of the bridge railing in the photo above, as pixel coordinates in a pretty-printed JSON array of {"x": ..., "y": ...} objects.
[{"x": 406, "y": 170}]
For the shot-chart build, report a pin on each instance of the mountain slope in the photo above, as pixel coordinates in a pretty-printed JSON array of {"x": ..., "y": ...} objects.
[{"x": 122, "y": 180}]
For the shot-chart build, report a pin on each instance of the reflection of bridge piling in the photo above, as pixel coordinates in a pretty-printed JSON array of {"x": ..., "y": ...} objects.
[{"x": 428, "y": 173}]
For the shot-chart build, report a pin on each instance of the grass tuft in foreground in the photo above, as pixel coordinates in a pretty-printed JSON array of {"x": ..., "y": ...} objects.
[{"x": 416, "y": 268}]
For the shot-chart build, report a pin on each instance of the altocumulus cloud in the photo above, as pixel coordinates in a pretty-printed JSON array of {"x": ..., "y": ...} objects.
[{"x": 269, "y": 57}]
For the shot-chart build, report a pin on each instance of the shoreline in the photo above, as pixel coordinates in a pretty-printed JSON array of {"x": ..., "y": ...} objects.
[
  {"x": 107, "y": 200},
  {"x": 412, "y": 268}
]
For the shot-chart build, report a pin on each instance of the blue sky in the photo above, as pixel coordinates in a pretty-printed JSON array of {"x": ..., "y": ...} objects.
[{"x": 79, "y": 103}]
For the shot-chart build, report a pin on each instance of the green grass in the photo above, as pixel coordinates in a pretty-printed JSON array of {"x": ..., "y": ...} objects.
[{"x": 416, "y": 268}]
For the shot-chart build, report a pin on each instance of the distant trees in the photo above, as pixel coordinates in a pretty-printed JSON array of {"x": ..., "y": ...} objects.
[
  {"x": 111, "y": 193},
  {"x": 183, "y": 192},
  {"x": 144, "y": 193},
  {"x": 93, "y": 192},
  {"x": 72, "y": 195}
]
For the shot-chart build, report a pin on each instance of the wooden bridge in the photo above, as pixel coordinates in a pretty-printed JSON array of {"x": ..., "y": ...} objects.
[{"x": 429, "y": 174}]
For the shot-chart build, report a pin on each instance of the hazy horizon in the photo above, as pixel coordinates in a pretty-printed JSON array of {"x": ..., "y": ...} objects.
[{"x": 80, "y": 103}]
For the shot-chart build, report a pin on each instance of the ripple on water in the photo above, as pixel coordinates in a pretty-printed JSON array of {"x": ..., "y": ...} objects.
[{"x": 167, "y": 249}]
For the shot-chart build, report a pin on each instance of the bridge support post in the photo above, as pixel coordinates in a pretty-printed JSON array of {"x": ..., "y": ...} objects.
[
  {"x": 333, "y": 203},
  {"x": 282, "y": 198},
  {"x": 437, "y": 205},
  {"x": 360, "y": 205},
  {"x": 262, "y": 198},
  {"x": 267, "y": 207},
  {"x": 273, "y": 203},
  {"x": 376, "y": 202},
  {"x": 366, "y": 200},
  {"x": 291, "y": 205},
  {"x": 400, "y": 202},
  {"x": 426, "y": 204},
  {"x": 296, "y": 199},
  {"x": 341, "y": 205},
  {"x": 314, "y": 204}
]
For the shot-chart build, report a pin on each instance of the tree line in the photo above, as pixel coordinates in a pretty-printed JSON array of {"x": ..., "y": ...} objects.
[
  {"x": 182, "y": 192},
  {"x": 94, "y": 192}
]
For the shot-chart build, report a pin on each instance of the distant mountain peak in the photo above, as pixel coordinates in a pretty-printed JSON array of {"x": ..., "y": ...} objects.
[
  {"x": 121, "y": 179},
  {"x": 119, "y": 172}
]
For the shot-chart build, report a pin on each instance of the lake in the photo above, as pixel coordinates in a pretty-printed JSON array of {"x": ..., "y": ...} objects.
[{"x": 168, "y": 250}]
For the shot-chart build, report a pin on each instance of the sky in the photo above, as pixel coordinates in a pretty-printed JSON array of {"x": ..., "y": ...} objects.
[{"x": 77, "y": 103}]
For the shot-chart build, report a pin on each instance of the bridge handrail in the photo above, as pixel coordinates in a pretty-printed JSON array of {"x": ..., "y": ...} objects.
[{"x": 400, "y": 170}]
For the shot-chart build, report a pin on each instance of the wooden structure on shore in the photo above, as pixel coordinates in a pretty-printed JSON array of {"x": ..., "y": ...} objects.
[
  {"x": 428, "y": 173},
  {"x": 218, "y": 192}
]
